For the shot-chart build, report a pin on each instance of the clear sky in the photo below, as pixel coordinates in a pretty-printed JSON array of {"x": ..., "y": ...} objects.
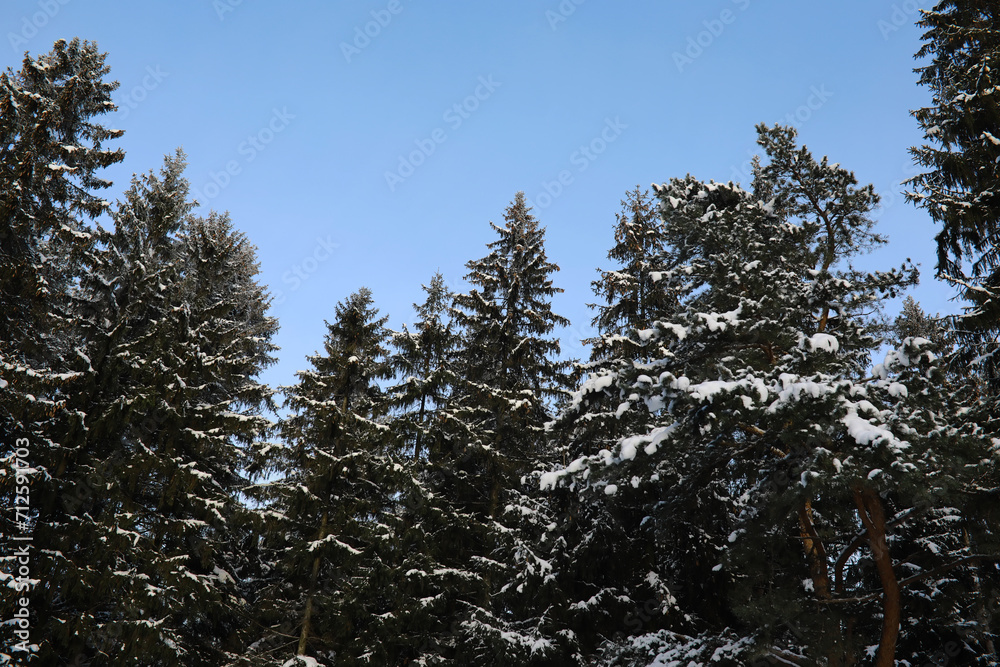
[{"x": 369, "y": 143}]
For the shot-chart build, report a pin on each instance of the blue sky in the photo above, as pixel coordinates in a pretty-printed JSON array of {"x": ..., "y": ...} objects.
[{"x": 369, "y": 143}]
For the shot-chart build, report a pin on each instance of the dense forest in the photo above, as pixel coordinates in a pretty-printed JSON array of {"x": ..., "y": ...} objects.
[{"x": 760, "y": 463}]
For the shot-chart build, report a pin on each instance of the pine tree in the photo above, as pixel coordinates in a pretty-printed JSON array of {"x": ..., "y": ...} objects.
[
  {"x": 424, "y": 363},
  {"x": 51, "y": 154},
  {"x": 331, "y": 512},
  {"x": 791, "y": 482},
  {"x": 507, "y": 366},
  {"x": 468, "y": 502},
  {"x": 143, "y": 561},
  {"x": 631, "y": 293},
  {"x": 961, "y": 189},
  {"x": 601, "y": 580}
]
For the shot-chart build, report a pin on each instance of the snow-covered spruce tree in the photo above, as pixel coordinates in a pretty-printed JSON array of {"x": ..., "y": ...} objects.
[
  {"x": 600, "y": 555},
  {"x": 634, "y": 294},
  {"x": 632, "y": 298},
  {"x": 51, "y": 155},
  {"x": 815, "y": 508},
  {"x": 229, "y": 342},
  {"x": 913, "y": 322},
  {"x": 961, "y": 187},
  {"x": 424, "y": 366},
  {"x": 509, "y": 374},
  {"x": 959, "y": 190},
  {"x": 505, "y": 377},
  {"x": 423, "y": 362},
  {"x": 116, "y": 337},
  {"x": 142, "y": 555},
  {"x": 330, "y": 515}
]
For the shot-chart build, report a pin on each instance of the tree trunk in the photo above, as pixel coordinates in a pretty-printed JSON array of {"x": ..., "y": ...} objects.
[
  {"x": 815, "y": 551},
  {"x": 982, "y": 616},
  {"x": 872, "y": 515},
  {"x": 420, "y": 421},
  {"x": 307, "y": 616}
]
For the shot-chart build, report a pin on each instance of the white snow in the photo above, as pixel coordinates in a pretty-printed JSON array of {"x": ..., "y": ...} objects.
[
  {"x": 707, "y": 391},
  {"x": 302, "y": 661},
  {"x": 678, "y": 330},
  {"x": 897, "y": 390},
  {"x": 794, "y": 387},
  {"x": 824, "y": 342},
  {"x": 719, "y": 321},
  {"x": 866, "y": 433},
  {"x": 630, "y": 445}
]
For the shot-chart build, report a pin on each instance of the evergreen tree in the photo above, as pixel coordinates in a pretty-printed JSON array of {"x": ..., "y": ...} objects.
[
  {"x": 51, "y": 155},
  {"x": 631, "y": 293},
  {"x": 228, "y": 341},
  {"x": 601, "y": 580},
  {"x": 469, "y": 502},
  {"x": 961, "y": 189},
  {"x": 141, "y": 558},
  {"x": 792, "y": 484},
  {"x": 424, "y": 363},
  {"x": 330, "y": 515},
  {"x": 913, "y": 322},
  {"x": 635, "y": 294},
  {"x": 507, "y": 364}
]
